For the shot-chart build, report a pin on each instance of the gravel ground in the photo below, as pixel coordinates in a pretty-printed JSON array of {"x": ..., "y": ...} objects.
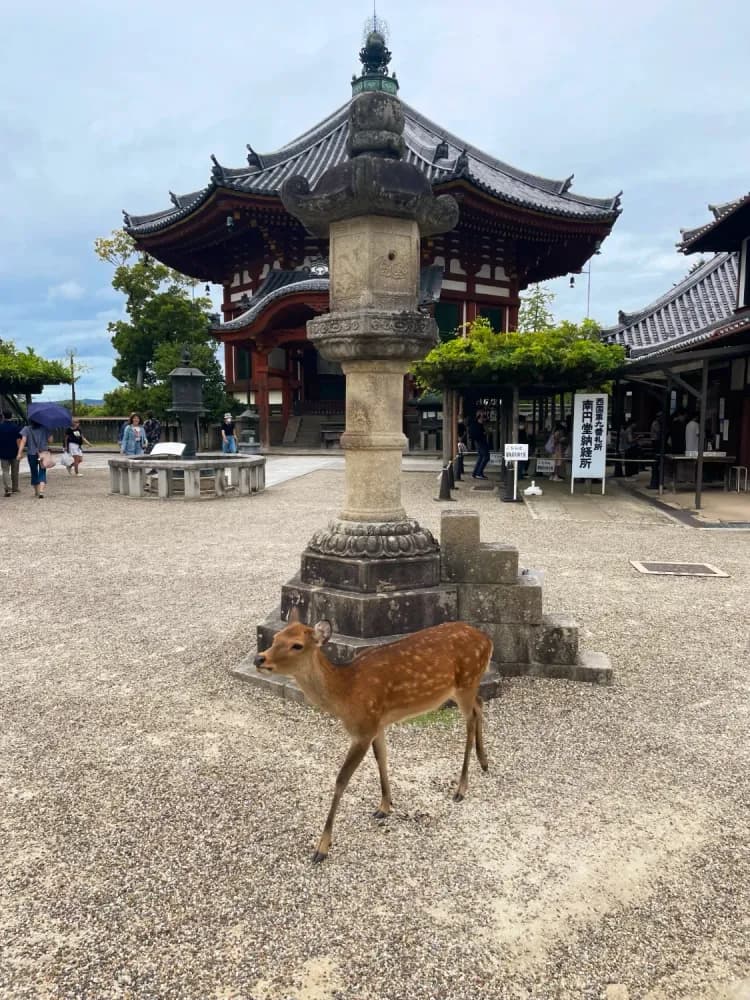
[{"x": 158, "y": 816}]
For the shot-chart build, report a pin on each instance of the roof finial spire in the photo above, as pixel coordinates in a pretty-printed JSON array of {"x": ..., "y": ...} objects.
[{"x": 375, "y": 56}]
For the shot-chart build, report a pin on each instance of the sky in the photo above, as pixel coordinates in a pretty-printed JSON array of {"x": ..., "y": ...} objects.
[{"x": 105, "y": 106}]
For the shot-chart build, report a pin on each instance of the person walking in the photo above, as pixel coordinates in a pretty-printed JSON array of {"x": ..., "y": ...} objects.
[
  {"x": 559, "y": 444},
  {"x": 134, "y": 437},
  {"x": 479, "y": 437},
  {"x": 35, "y": 439},
  {"x": 9, "y": 434},
  {"x": 523, "y": 438},
  {"x": 655, "y": 434},
  {"x": 692, "y": 434},
  {"x": 228, "y": 437},
  {"x": 74, "y": 442},
  {"x": 152, "y": 427}
]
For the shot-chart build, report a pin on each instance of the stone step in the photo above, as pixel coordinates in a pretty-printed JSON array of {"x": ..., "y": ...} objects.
[{"x": 595, "y": 668}]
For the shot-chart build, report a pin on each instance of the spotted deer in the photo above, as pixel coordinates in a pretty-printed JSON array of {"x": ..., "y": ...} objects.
[{"x": 384, "y": 685}]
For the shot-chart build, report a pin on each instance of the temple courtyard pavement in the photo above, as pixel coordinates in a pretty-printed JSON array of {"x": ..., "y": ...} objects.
[{"x": 157, "y": 816}]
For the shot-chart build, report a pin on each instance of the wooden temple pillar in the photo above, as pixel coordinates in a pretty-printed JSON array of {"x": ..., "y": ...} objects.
[{"x": 261, "y": 398}]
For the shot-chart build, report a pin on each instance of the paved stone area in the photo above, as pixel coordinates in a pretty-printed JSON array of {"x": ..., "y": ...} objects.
[{"x": 157, "y": 817}]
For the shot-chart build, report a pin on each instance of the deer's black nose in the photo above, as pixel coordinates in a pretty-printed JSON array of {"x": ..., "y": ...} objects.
[{"x": 259, "y": 660}]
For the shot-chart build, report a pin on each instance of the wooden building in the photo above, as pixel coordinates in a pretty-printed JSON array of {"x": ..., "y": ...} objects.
[
  {"x": 694, "y": 341},
  {"x": 515, "y": 228}
]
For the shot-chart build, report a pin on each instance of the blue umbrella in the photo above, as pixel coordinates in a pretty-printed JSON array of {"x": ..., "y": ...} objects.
[{"x": 49, "y": 415}]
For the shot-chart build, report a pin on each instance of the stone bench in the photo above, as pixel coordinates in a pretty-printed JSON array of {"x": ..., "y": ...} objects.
[
  {"x": 330, "y": 433},
  {"x": 132, "y": 476}
]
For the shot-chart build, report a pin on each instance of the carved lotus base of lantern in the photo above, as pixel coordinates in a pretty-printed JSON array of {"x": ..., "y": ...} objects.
[
  {"x": 373, "y": 334},
  {"x": 371, "y": 557}
]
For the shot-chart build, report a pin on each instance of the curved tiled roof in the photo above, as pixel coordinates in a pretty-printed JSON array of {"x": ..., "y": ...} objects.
[
  {"x": 439, "y": 154},
  {"x": 719, "y": 212},
  {"x": 278, "y": 284},
  {"x": 259, "y": 302},
  {"x": 688, "y": 313}
]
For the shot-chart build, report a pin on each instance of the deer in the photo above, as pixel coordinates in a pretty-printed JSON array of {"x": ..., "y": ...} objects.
[{"x": 383, "y": 685}]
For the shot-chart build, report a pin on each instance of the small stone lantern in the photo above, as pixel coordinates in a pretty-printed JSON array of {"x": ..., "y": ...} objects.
[{"x": 187, "y": 401}]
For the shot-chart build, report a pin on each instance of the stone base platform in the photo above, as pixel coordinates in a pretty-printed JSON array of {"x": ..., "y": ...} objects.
[
  {"x": 478, "y": 583},
  {"x": 594, "y": 668}
]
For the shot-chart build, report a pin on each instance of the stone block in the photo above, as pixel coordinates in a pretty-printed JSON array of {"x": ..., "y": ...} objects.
[
  {"x": 511, "y": 643},
  {"x": 374, "y": 261},
  {"x": 490, "y": 562},
  {"x": 371, "y": 615},
  {"x": 370, "y": 575},
  {"x": 517, "y": 603},
  {"x": 556, "y": 641},
  {"x": 459, "y": 530}
]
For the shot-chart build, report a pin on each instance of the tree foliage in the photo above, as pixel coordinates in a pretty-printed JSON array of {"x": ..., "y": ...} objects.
[
  {"x": 568, "y": 356},
  {"x": 27, "y": 371},
  {"x": 534, "y": 313},
  {"x": 163, "y": 316}
]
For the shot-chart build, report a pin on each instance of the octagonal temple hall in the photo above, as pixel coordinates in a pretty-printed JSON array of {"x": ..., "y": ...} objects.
[{"x": 514, "y": 228}]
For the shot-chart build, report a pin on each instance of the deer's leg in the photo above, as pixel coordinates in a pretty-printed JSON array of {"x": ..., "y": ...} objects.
[
  {"x": 466, "y": 703},
  {"x": 354, "y": 758},
  {"x": 381, "y": 756},
  {"x": 481, "y": 755}
]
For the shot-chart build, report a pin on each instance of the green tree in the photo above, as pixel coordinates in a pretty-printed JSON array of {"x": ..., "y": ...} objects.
[
  {"x": 26, "y": 371},
  {"x": 141, "y": 279},
  {"x": 163, "y": 317},
  {"x": 566, "y": 357},
  {"x": 534, "y": 313}
]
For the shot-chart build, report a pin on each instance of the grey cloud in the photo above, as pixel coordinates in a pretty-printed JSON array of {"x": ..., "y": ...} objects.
[{"x": 127, "y": 101}]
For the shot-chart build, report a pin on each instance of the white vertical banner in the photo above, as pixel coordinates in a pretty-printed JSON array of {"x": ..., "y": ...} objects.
[{"x": 589, "y": 452}]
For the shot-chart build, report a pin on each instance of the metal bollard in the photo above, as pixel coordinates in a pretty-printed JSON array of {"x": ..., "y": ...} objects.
[
  {"x": 445, "y": 488},
  {"x": 461, "y": 464},
  {"x": 451, "y": 476},
  {"x": 457, "y": 473}
]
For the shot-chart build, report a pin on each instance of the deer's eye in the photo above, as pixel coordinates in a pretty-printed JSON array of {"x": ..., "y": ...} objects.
[{"x": 297, "y": 645}]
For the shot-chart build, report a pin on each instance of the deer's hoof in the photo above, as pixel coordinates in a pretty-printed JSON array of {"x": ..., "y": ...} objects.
[
  {"x": 379, "y": 814},
  {"x": 458, "y": 797},
  {"x": 318, "y": 857},
  {"x": 485, "y": 766}
]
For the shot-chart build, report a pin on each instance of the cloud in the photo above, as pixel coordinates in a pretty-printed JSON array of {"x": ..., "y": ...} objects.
[
  {"x": 70, "y": 290},
  {"x": 116, "y": 114}
]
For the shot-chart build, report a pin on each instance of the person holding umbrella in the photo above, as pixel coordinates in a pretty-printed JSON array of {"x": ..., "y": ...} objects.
[{"x": 35, "y": 439}]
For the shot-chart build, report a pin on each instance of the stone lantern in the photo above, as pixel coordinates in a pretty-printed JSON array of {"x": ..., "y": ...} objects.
[
  {"x": 374, "y": 572},
  {"x": 187, "y": 401}
]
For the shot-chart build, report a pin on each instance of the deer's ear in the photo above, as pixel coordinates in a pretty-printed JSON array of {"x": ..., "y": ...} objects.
[
  {"x": 293, "y": 615},
  {"x": 323, "y": 631}
]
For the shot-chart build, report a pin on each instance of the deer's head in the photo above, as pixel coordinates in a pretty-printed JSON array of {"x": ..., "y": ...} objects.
[{"x": 293, "y": 646}]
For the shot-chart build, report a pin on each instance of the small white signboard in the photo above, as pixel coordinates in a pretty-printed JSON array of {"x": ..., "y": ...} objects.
[
  {"x": 589, "y": 452},
  {"x": 516, "y": 452},
  {"x": 545, "y": 466},
  {"x": 496, "y": 458}
]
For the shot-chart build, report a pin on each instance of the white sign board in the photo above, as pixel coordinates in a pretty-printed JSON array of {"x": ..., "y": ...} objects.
[
  {"x": 545, "y": 465},
  {"x": 496, "y": 458},
  {"x": 516, "y": 452},
  {"x": 589, "y": 452}
]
